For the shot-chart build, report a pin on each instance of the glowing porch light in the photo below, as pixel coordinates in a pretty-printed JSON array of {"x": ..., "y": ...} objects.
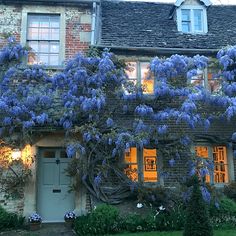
[{"x": 16, "y": 154}]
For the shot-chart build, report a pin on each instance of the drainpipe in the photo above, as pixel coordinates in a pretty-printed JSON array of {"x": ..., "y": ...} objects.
[{"x": 93, "y": 24}]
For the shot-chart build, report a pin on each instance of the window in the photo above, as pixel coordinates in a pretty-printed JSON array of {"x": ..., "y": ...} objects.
[
  {"x": 139, "y": 74},
  {"x": 192, "y": 19},
  {"x": 141, "y": 165},
  {"x": 218, "y": 155},
  {"x": 208, "y": 79},
  {"x": 43, "y": 36}
]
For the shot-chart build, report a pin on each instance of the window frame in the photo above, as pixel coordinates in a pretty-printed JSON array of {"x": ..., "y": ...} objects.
[
  {"x": 192, "y": 29},
  {"x": 41, "y": 10},
  {"x": 141, "y": 166},
  {"x": 206, "y": 81},
  {"x": 229, "y": 161},
  {"x": 139, "y": 78}
]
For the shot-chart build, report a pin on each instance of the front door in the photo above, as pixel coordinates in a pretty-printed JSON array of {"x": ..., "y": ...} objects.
[{"x": 54, "y": 198}]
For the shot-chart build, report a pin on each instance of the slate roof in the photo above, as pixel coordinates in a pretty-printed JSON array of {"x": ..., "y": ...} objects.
[{"x": 142, "y": 24}]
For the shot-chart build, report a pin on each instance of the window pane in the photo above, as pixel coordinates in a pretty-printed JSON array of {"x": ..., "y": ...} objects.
[
  {"x": 44, "y": 34},
  {"x": 131, "y": 70},
  {"x": 63, "y": 154},
  {"x": 54, "y": 22},
  {"x": 49, "y": 154},
  {"x": 131, "y": 155},
  {"x": 34, "y": 46},
  {"x": 54, "y": 59},
  {"x": 185, "y": 27},
  {"x": 33, "y": 21},
  {"x": 185, "y": 14},
  {"x": 55, "y": 34},
  {"x": 33, "y": 34},
  {"x": 43, "y": 47},
  {"x": 198, "y": 80},
  {"x": 150, "y": 165},
  {"x": 131, "y": 170},
  {"x": 221, "y": 167},
  {"x": 54, "y": 48},
  {"x": 44, "y": 22},
  {"x": 198, "y": 22},
  {"x": 43, "y": 59},
  {"x": 214, "y": 82},
  {"x": 202, "y": 151},
  {"x": 147, "y": 79}
]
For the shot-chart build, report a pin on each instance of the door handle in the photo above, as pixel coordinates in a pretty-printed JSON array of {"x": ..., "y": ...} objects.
[{"x": 57, "y": 162}]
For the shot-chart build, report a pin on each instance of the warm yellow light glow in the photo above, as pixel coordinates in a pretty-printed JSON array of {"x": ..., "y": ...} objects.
[
  {"x": 26, "y": 155},
  {"x": 16, "y": 154}
]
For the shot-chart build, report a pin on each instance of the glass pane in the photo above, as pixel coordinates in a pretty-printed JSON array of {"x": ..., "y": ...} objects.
[
  {"x": 150, "y": 165},
  {"x": 198, "y": 80},
  {"x": 198, "y": 23},
  {"x": 131, "y": 71},
  {"x": 54, "y": 48},
  {"x": 202, "y": 151},
  {"x": 185, "y": 14},
  {"x": 43, "y": 59},
  {"x": 131, "y": 155},
  {"x": 44, "y": 47},
  {"x": 34, "y": 46},
  {"x": 33, "y": 21},
  {"x": 32, "y": 58},
  {"x": 132, "y": 172},
  {"x": 49, "y": 154},
  {"x": 63, "y": 154},
  {"x": 44, "y": 22},
  {"x": 33, "y": 33},
  {"x": 55, "y": 34},
  {"x": 54, "y": 22},
  {"x": 185, "y": 27},
  {"x": 44, "y": 34},
  {"x": 220, "y": 162},
  {"x": 214, "y": 82},
  {"x": 54, "y": 60}
]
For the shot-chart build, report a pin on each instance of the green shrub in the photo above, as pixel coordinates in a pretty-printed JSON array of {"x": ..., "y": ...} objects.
[
  {"x": 134, "y": 222},
  {"x": 224, "y": 217},
  {"x": 103, "y": 220},
  {"x": 197, "y": 215},
  {"x": 230, "y": 191},
  {"x": 10, "y": 220}
]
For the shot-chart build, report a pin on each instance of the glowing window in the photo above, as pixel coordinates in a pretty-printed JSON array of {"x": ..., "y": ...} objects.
[
  {"x": 219, "y": 155},
  {"x": 148, "y": 171},
  {"x": 139, "y": 74}
]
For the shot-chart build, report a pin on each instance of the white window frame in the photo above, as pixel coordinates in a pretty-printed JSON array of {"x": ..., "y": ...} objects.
[
  {"x": 139, "y": 74},
  {"x": 230, "y": 162},
  {"x": 192, "y": 8},
  {"x": 27, "y": 10}
]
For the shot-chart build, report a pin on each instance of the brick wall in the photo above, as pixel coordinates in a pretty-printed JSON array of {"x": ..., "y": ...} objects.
[{"x": 77, "y": 20}]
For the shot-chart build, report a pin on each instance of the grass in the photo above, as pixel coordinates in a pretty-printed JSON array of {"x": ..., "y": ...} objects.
[{"x": 178, "y": 233}]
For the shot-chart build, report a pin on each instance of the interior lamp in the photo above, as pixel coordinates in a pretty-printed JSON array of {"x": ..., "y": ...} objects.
[{"x": 16, "y": 154}]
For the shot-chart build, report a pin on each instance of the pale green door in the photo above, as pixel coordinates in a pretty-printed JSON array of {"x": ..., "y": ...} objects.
[{"x": 54, "y": 198}]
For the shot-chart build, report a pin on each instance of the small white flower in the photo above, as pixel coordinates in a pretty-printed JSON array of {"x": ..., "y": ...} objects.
[
  {"x": 139, "y": 205},
  {"x": 161, "y": 208}
]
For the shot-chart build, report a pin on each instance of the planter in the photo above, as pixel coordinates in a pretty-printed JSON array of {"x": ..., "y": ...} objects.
[
  {"x": 35, "y": 226},
  {"x": 69, "y": 223}
]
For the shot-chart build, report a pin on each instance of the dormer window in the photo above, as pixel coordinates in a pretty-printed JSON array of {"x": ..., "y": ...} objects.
[{"x": 191, "y": 19}]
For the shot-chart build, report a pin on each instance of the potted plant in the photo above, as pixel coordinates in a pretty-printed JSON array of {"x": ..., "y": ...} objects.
[
  {"x": 69, "y": 218},
  {"x": 35, "y": 221}
]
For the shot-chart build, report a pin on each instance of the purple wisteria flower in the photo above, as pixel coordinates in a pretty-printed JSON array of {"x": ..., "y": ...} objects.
[
  {"x": 35, "y": 218},
  {"x": 70, "y": 215}
]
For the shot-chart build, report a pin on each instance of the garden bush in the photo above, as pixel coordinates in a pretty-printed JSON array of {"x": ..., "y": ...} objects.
[
  {"x": 197, "y": 215},
  {"x": 10, "y": 220},
  {"x": 223, "y": 216},
  {"x": 103, "y": 220},
  {"x": 230, "y": 191}
]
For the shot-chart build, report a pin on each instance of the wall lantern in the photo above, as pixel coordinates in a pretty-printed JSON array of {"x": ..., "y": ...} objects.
[{"x": 16, "y": 154}]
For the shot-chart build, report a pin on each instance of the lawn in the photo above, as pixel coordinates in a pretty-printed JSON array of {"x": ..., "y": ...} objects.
[{"x": 179, "y": 233}]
